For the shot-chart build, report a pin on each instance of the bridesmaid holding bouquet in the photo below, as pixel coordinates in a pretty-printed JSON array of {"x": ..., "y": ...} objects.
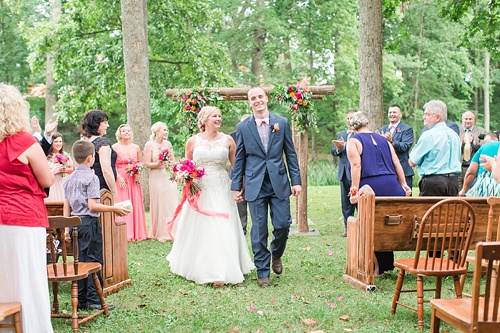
[
  {"x": 61, "y": 165},
  {"x": 158, "y": 156},
  {"x": 128, "y": 185}
]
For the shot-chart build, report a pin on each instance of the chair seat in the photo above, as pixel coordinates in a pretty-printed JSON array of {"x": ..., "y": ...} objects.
[
  {"x": 84, "y": 269},
  {"x": 421, "y": 269},
  {"x": 460, "y": 309},
  {"x": 7, "y": 309}
]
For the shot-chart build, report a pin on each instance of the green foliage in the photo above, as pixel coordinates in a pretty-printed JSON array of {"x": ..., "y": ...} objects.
[
  {"x": 321, "y": 173},
  {"x": 429, "y": 62},
  {"x": 481, "y": 20}
]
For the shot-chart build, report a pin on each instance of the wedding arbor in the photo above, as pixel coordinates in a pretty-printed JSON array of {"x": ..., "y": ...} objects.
[{"x": 301, "y": 125}]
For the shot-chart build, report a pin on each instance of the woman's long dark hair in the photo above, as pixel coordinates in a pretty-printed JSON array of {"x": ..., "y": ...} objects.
[
  {"x": 56, "y": 135},
  {"x": 91, "y": 122}
]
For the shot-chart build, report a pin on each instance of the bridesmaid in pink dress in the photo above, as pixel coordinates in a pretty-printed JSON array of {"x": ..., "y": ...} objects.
[
  {"x": 128, "y": 186},
  {"x": 60, "y": 166},
  {"x": 163, "y": 194}
]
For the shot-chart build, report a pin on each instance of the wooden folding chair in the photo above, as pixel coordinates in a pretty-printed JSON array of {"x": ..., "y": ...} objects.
[
  {"x": 11, "y": 309},
  {"x": 444, "y": 235},
  {"x": 481, "y": 313},
  {"x": 70, "y": 271},
  {"x": 493, "y": 225}
]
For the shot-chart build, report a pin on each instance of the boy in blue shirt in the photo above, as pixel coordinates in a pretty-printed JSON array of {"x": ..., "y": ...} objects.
[{"x": 82, "y": 195}]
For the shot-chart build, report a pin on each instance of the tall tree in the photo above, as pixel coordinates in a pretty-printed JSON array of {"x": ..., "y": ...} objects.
[
  {"x": 50, "y": 83},
  {"x": 370, "y": 61},
  {"x": 136, "y": 61}
]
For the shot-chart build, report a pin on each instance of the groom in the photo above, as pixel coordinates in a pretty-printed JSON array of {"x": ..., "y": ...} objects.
[{"x": 262, "y": 139}]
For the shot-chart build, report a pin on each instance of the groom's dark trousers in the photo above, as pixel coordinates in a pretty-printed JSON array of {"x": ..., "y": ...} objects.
[{"x": 281, "y": 219}]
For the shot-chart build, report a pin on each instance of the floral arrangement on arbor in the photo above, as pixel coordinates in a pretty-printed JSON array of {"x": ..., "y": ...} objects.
[
  {"x": 185, "y": 172},
  {"x": 299, "y": 99},
  {"x": 133, "y": 169},
  {"x": 190, "y": 104}
]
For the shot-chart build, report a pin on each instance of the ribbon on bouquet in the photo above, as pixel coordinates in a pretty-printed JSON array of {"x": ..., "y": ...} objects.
[{"x": 193, "y": 202}]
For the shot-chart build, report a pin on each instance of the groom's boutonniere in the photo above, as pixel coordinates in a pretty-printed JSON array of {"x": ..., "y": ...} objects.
[
  {"x": 398, "y": 129},
  {"x": 275, "y": 127}
]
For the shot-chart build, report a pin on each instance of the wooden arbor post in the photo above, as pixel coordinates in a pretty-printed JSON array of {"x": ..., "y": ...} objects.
[{"x": 300, "y": 140}]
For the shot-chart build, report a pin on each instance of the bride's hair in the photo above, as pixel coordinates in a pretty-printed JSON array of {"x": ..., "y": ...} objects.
[{"x": 205, "y": 112}]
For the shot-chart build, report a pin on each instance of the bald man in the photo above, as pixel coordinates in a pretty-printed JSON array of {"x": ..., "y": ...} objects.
[{"x": 469, "y": 134}]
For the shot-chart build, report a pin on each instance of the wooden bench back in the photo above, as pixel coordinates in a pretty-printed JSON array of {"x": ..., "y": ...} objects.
[
  {"x": 389, "y": 224},
  {"x": 394, "y": 220}
]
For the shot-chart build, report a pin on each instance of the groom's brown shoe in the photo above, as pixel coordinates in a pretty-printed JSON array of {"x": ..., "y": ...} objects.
[
  {"x": 276, "y": 265},
  {"x": 263, "y": 282}
]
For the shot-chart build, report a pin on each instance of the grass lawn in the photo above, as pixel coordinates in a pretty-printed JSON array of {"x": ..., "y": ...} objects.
[{"x": 310, "y": 295}]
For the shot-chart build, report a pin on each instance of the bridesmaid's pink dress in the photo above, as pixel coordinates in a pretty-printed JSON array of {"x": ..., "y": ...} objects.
[{"x": 136, "y": 221}]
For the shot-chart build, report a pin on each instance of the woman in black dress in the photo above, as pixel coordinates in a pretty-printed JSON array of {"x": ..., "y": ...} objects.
[{"x": 94, "y": 126}]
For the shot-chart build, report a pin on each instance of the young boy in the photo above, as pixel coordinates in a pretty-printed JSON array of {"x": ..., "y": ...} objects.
[{"x": 81, "y": 191}]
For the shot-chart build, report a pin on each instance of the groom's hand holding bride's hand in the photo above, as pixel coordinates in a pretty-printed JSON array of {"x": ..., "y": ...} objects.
[
  {"x": 296, "y": 189},
  {"x": 238, "y": 196}
]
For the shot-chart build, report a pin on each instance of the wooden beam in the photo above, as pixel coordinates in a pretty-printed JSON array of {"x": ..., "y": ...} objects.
[{"x": 240, "y": 94}]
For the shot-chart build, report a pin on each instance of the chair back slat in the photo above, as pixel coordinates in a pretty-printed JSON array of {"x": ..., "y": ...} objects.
[
  {"x": 57, "y": 244},
  {"x": 488, "y": 293},
  {"x": 444, "y": 235}
]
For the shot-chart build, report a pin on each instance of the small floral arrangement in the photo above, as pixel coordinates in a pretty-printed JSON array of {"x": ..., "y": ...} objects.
[
  {"x": 398, "y": 129},
  {"x": 190, "y": 104},
  {"x": 275, "y": 127},
  {"x": 299, "y": 99},
  {"x": 185, "y": 172},
  {"x": 164, "y": 155},
  {"x": 133, "y": 169},
  {"x": 62, "y": 159}
]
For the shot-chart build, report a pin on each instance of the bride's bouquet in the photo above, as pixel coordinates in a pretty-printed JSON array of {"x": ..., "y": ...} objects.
[{"x": 185, "y": 172}]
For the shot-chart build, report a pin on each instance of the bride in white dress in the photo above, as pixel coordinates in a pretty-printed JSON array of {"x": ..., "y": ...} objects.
[{"x": 211, "y": 249}]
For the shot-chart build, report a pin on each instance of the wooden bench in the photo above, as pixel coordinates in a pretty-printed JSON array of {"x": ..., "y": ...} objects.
[
  {"x": 114, "y": 234},
  {"x": 389, "y": 224}
]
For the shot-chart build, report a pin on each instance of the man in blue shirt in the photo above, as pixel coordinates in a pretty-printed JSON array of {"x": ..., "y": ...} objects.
[{"x": 437, "y": 153}]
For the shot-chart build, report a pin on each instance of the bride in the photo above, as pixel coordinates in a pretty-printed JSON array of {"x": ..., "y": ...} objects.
[{"x": 210, "y": 249}]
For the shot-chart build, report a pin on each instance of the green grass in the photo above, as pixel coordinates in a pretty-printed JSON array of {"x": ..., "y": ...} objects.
[{"x": 310, "y": 288}]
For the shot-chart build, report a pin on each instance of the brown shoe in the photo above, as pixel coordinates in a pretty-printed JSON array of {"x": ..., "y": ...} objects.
[
  {"x": 276, "y": 265},
  {"x": 263, "y": 282},
  {"x": 344, "y": 234}
]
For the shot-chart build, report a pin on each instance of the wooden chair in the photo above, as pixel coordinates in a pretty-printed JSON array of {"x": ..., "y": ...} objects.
[
  {"x": 493, "y": 225},
  {"x": 70, "y": 271},
  {"x": 11, "y": 309},
  {"x": 446, "y": 228},
  {"x": 480, "y": 313}
]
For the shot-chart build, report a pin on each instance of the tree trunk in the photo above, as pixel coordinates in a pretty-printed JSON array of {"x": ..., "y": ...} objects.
[
  {"x": 135, "y": 55},
  {"x": 50, "y": 83},
  {"x": 259, "y": 35},
  {"x": 417, "y": 81},
  {"x": 370, "y": 61},
  {"x": 486, "y": 90}
]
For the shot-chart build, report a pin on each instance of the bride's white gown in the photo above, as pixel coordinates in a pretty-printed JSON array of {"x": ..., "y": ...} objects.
[{"x": 211, "y": 249}]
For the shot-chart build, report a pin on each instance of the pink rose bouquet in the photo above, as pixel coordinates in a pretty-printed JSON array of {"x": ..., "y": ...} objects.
[
  {"x": 185, "y": 172},
  {"x": 61, "y": 159}
]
